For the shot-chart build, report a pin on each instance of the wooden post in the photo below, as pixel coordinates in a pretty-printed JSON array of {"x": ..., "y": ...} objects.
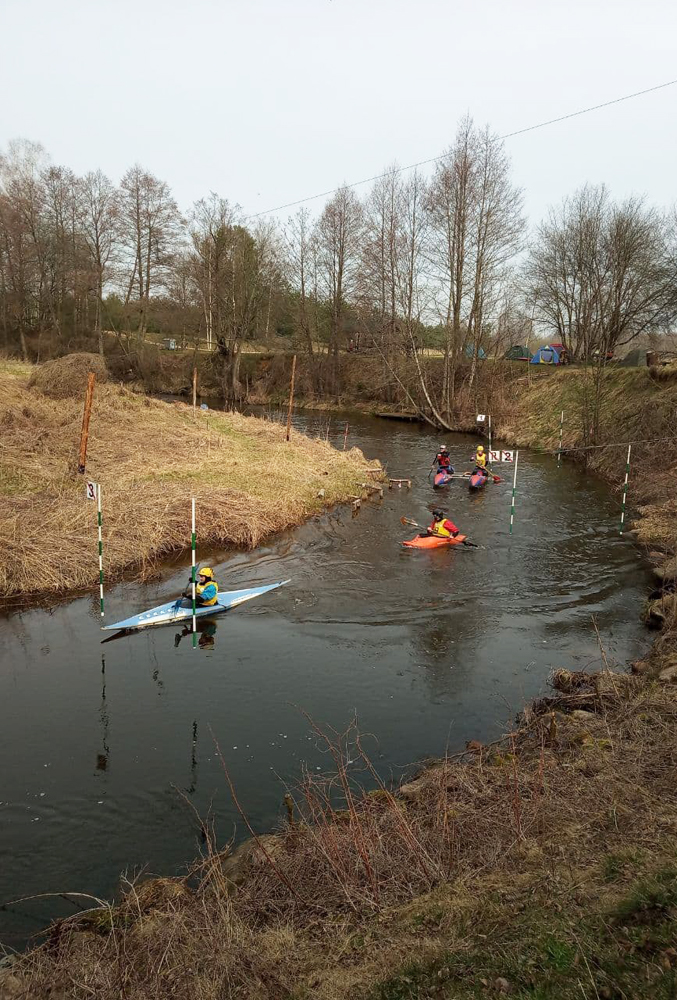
[
  {"x": 194, "y": 391},
  {"x": 99, "y": 523},
  {"x": 192, "y": 571},
  {"x": 625, "y": 489},
  {"x": 84, "y": 433},
  {"x": 291, "y": 396},
  {"x": 345, "y": 437}
]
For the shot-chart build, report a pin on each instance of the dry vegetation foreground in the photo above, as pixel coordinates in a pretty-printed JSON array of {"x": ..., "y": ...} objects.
[{"x": 150, "y": 457}]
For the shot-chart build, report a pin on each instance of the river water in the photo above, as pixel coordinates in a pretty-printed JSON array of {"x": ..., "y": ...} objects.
[{"x": 104, "y": 746}]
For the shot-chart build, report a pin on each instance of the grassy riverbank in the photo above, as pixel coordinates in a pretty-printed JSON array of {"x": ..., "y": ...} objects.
[
  {"x": 151, "y": 457},
  {"x": 541, "y": 867}
]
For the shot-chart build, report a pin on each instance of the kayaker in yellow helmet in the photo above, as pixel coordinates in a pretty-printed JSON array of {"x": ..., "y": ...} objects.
[
  {"x": 480, "y": 457},
  {"x": 206, "y": 588}
]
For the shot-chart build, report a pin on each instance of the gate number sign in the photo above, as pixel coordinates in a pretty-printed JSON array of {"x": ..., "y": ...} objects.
[
  {"x": 91, "y": 491},
  {"x": 501, "y": 456}
]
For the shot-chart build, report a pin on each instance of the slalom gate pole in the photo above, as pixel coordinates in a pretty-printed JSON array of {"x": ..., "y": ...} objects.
[
  {"x": 514, "y": 487},
  {"x": 561, "y": 427},
  {"x": 291, "y": 396},
  {"x": 345, "y": 437},
  {"x": 490, "y": 437},
  {"x": 192, "y": 571},
  {"x": 625, "y": 489},
  {"x": 99, "y": 524}
]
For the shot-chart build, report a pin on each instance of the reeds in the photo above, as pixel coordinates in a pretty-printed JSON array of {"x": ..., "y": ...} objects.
[
  {"x": 150, "y": 458},
  {"x": 536, "y": 808}
]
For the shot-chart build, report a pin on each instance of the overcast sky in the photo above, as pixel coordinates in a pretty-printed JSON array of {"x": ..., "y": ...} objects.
[{"x": 267, "y": 101}]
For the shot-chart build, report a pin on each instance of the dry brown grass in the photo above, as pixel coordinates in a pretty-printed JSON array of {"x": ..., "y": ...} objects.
[
  {"x": 328, "y": 907},
  {"x": 65, "y": 377},
  {"x": 150, "y": 457}
]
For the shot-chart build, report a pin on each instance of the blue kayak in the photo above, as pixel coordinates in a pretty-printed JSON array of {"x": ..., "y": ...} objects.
[{"x": 182, "y": 610}]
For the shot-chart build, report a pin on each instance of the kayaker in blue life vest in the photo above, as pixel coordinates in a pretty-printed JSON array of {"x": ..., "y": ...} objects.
[
  {"x": 441, "y": 526},
  {"x": 206, "y": 588}
]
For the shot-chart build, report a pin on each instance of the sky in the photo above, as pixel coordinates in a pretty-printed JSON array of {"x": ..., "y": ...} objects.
[{"x": 268, "y": 102}]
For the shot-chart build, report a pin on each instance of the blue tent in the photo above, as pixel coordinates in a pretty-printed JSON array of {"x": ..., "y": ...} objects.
[
  {"x": 546, "y": 355},
  {"x": 481, "y": 353}
]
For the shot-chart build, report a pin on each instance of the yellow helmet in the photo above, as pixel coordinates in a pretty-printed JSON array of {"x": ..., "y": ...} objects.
[
  {"x": 206, "y": 571},
  {"x": 480, "y": 448}
]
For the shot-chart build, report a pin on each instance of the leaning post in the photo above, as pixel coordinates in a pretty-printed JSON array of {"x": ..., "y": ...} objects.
[{"x": 84, "y": 433}]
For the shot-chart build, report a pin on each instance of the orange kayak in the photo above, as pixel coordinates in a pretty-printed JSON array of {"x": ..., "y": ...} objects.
[{"x": 433, "y": 542}]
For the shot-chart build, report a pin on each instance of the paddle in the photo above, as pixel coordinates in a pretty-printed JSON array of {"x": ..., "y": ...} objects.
[{"x": 415, "y": 524}]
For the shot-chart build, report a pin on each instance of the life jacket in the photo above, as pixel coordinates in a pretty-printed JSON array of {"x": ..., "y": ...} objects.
[
  {"x": 481, "y": 460},
  {"x": 443, "y": 460},
  {"x": 439, "y": 528},
  {"x": 203, "y": 586}
]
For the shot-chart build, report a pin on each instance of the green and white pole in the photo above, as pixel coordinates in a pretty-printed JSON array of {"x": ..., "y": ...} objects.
[
  {"x": 490, "y": 437},
  {"x": 514, "y": 487},
  {"x": 192, "y": 570},
  {"x": 625, "y": 489},
  {"x": 561, "y": 428},
  {"x": 100, "y": 525}
]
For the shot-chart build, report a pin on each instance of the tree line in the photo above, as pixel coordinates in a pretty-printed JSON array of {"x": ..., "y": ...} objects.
[{"x": 444, "y": 261}]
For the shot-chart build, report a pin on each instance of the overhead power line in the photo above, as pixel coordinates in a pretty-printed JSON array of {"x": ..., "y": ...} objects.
[{"x": 435, "y": 159}]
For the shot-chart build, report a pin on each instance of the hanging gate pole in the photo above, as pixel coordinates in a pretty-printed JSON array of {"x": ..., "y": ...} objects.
[
  {"x": 625, "y": 489},
  {"x": 514, "y": 487},
  {"x": 192, "y": 571},
  {"x": 99, "y": 523},
  {"x": 561, "y": 426},
  {"x": 345, "y": 437},
  {"x": 291, "y": 396}
]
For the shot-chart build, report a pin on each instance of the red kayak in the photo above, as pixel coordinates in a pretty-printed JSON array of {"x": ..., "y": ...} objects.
[
  {"x": 442, "y": 477},
  {"x": 478, "y": 480},
  {"x": 433, "y": 542}
]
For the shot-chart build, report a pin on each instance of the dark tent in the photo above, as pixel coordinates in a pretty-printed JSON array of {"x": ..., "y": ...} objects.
[
  {"x": 517, "y": 353},
  {"x": 546, "y": 355},
  {"x": 636, "y": 357}
]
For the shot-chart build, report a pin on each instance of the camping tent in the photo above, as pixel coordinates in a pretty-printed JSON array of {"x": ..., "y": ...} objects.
[
  {"x": 634, "y": 358},
  {"x": 546, "y": 355},
  {"x": 517, "y": 353},
  {"x": 481, "y": 353}
]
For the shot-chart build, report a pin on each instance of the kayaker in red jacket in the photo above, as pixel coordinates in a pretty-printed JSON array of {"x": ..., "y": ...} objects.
[
  {"x": 443, "y": 460},
  {"x": 441, "y": 526}
]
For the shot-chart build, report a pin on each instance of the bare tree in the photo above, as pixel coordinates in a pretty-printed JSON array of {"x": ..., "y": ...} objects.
[
  {"x": 99, "y": 224},
  {"x": 339, "y": 233},
  {"x": 151, "y": 226},
  {"x": 601, "y": 273}
]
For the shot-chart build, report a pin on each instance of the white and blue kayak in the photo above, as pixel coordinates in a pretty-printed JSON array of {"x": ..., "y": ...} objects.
[{"x": 182, "y": 610}]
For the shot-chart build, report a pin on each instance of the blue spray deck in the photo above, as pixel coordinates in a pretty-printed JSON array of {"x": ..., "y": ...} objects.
[{"x": 181, "y": 610}]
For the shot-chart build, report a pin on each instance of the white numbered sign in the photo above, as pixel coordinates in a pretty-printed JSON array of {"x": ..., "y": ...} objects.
[
  {"x": 481, "y": 417},
  {"x": 494, "y": 456},
  {"x": 502, "y": 456},
  {"x": 91, "y": 491}
]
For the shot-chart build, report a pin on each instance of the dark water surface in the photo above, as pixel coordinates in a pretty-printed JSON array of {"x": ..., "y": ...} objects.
[{"x": 429, "y": 648}]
